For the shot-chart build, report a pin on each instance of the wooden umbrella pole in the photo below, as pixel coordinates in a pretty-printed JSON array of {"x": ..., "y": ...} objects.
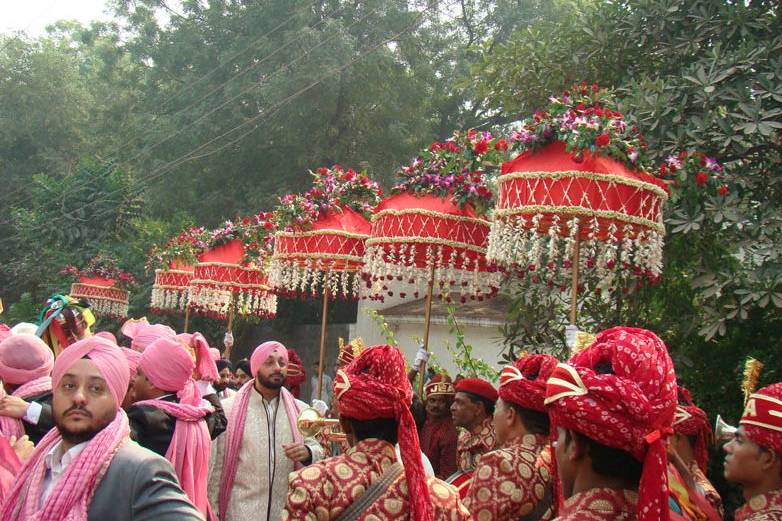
[
  {"x": 574, "y": 282},
  {"x": 323, "y": 322},
  {"x": 427, "y": 319},
  {"x": 187, "y": 318},
  {"x": 228, "y": 349}
]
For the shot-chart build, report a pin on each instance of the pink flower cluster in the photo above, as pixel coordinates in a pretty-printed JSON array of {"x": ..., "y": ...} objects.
[
  {"x": 332, "y": 189},
  {"x": 704, "y": 170},
  {"x": 587, "y": 120},
  {"x": 102, "y": 266},
  {"x": 456, "y": 168}
]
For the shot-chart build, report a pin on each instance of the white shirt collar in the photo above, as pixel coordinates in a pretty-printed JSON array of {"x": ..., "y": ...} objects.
[{"x": 57, "y": 461}]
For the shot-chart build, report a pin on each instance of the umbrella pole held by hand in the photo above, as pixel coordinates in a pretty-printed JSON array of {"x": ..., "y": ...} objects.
[
  {"x": 323, "y": 322},
  {"x": 229, "y": 348},
  {"x": 427, "y": 319}
]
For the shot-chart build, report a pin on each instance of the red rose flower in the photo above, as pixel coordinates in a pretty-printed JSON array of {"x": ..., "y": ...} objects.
[
  {"x": 602, "y": 140},
  {"x": 481, "y": 147},
  {"x": 268, "y": 225},
  {"x": 701, "y": 178},
  {"x": 501, "y": 145},
  {"x": 723, "y": 190},
  {"x": 663, "y": 170},
  {"x": 472, "y": 133}
]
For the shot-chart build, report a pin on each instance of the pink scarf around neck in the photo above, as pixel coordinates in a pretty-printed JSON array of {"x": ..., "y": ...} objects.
[
  {"x": 189, "y": 449},
  {"x": 71, "y": 496},
  {"x": 14, "y": 426},
  {"x": 235, "y": 434}
]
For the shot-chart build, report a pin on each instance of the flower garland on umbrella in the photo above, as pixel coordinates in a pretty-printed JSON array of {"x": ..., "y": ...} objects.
[
  {"x": 579, "y": 182},
  {"x": 588, "y": 120},
  {"x": 436, "y": 221},
  {"x": 173, "y": 267},
  {"x": 231, "y": 270},
  {"x": 322, "y": 234},
  {"x": 103, "y": 284}
]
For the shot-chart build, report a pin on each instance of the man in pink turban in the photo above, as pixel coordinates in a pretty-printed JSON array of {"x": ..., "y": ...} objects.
[
  {"x": 142, "y": 333},
  {"x": 87, "y": 468},
  {"x": 262, "y": 445},
  {"x": 26, "y": 406},
  {"x": 170, "y": 418}
]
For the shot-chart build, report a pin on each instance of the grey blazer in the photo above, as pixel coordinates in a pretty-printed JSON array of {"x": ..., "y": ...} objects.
[{"x": 140, "y": 485}]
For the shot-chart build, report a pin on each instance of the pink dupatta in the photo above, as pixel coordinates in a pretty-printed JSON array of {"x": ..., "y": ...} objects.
[{"x": 189, "y": 449}]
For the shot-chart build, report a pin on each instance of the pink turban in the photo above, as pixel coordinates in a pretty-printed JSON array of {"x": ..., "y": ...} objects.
[
  {"x": 24, "y": 358},
  {"x": 110, "y": 361},
  {"x": 108, "y": 335},
  {"x": 205, "y": 368},
  {"x": 142, "y": 333},
  {"x": 263, "y": 351},
  {"x": 169, "y": 367},
  {"x": 133, "y": 358}
]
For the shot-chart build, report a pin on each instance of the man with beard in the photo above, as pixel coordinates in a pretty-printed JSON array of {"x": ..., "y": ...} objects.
[
  {"x": 87, "y": 468},
  {"x": 224, "y": 379},
  {"x": 754, "y": 458},
  {"x": 251, "y": 461},
  {"x": 438, "y": 436}
]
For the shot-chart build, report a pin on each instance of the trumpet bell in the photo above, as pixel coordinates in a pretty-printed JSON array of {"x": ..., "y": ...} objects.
[
  {"x": 310, "y": 422},
  {"x": 723, "y": 431}
]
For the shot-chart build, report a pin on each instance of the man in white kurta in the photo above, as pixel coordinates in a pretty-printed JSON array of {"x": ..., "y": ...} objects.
[{"x": 251, "y": 461}]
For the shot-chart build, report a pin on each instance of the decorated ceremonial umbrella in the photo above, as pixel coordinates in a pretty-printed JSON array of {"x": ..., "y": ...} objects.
[
  {"x": 321, "y": 246},
  {"x": 229, "y": 276},
  {"x": 174, "y": 267},
  {"x": 103, "y": 284},
  {"x": 576, "y": 200},
  {"x": 433, "y": 232}
]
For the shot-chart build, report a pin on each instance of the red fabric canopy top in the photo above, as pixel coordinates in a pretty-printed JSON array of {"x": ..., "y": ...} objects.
[
  {"x": 105, "y": 299},
  {"x": 219, "y": 278},
  {"x": 411, "y": 234},
  {"x": 548, "y": 201},
  {"x": 330, "y": 251},
  {"x": 549, "y": 182}
]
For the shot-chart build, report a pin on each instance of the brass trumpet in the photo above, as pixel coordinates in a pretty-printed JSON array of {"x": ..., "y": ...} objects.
[
  {"x": 723, "y": 432},
  {"x": 310, "y": 423}
]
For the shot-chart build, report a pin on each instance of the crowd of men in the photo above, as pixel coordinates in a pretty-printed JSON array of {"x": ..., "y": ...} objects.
[{"x": 166, "y": 429}]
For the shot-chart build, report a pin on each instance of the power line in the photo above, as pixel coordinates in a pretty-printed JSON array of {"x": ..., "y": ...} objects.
[
  {"x": 270, "y": 112},
  {"x": 173, "y": 95}
]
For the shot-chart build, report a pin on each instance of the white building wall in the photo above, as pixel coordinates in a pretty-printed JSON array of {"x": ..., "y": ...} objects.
[{"x": 486, "y": 339}]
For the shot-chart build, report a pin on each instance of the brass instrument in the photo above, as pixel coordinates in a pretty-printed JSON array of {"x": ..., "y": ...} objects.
[
  {"x": 723, "y": 432},
  {"x": 310, "y": 423}
]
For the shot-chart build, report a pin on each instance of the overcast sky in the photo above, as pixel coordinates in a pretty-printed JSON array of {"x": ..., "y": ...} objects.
[{"x": 32, "y": 16}]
